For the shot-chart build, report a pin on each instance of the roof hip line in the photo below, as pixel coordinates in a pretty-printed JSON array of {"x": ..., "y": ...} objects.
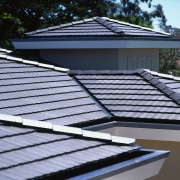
[
  {"x": 109, "y": 25},
  {"x": 148, "y": 76}
]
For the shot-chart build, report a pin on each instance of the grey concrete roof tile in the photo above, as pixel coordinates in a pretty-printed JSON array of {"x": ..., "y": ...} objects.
[
  {"x": 168, "y": 91},
  {"x": 171, "y": 83},
  {"x": 138, "y": 102},
  {"x": 155, "y": 109},
  {"x": 96, "y": 27},
  {"x": 136, "y": 97},
  {"x": 154, "y": 81},
  {"x": 29, "y": 139},
  {"x": 75, "y": 119},
  {"x": 148, "y": 77},
  {"x": 10, "y": 130},
  {"x": 43, "y": 153},
  {"x": 161, "y": 86},
  {"x": 43, "y": 94}
]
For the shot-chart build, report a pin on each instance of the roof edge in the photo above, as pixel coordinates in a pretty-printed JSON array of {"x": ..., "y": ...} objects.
[
  {"x": 146, "y": 74},
  {"x": 56, "y": 68},
  {"x": 67, "y": 129},
  {"x": 134, "y": 25},
  {"x": 104, "y": 72}
]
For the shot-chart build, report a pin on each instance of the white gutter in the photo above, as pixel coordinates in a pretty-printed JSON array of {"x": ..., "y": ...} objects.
[
  {"x": 95, "y": 44},
  {"x": 139, "y": 168}
]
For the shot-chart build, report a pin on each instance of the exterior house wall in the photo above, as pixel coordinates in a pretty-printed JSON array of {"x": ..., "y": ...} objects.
[
  {"x": 170, "y": 169},
  {"x": 156, "y": 139},
  {"x": 86, "y": 59},
  {"x": 130, "y": 59},
  {"x": 103, "y": 59}
]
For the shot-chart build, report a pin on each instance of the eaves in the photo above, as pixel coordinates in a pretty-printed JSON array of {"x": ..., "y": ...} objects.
[
  {"x": 94, "y": 43},
  {"x": 124, "y": 170},
  {"x": 140, "y": 130}
]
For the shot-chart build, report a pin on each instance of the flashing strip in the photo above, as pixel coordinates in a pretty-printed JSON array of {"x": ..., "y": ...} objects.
[
  {"x": 123, "y": 140},
  {"x": 61, "y": 69},
  {"x": 67, "y": 129},
  {"x": 98, "y": 135},
  {"x": 16, "y": 119},
  {"x": 33, "y": 63},
  {"x": 46, "y": 65},
  {"x": 163, "y": 75},
  {"x": 35, "y": 123},
  {"x": 13, "y": 58},
  {"x": 30, "y": 62},
  {"x": 5, "y": 50}
]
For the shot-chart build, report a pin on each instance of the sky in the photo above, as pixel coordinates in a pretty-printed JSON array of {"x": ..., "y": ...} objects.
[{"x": 171, "y": 10}]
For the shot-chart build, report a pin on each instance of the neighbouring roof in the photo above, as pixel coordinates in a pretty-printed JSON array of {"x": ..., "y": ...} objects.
[
  {"x": 97, "y": 32},
  {"x": 43, "y": 92},
  {"x": 96, "y": 27},
  {"x": 138, "y": 95},
  {"x": 29, "y": 152}
]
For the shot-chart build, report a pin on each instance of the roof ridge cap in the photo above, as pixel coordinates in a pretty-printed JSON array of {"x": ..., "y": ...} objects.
[
  {"x": 103, "y": 72},
  {"x": 5, "y": 50},
  {"x": 104, "y": 21},
  {"x": 165, "y": 75},
  {"x": 12, "y": 58},
  {"x": 170, "y": 93},
  {"x": 67, "y": 129}
]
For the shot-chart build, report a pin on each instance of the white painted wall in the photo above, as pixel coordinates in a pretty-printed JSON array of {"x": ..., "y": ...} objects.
[
  {"x": 103, "y": 59},
  {"x": 160, "y": 139},
  {"x": 140, "y": 173},
  {"x": 139, "y": 59}
]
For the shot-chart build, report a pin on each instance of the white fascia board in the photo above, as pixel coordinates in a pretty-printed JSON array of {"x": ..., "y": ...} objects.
[
  {"x": 145, "y": 133},
  {"x": 96, "y": 44}
]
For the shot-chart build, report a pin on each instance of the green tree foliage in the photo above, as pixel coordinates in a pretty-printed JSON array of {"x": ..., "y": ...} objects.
[
  {"x": 19, "y": 16},
  {"x": 130, "y": 11},
  {"x": 170, "y": 58},
  {"x": 11, "y": 27}
]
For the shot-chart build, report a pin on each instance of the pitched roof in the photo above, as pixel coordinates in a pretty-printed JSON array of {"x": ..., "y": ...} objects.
[
  {"x": 96, "y": 27},
  {"x": 170, "y": 81},
  {"x": 44, "y": 92},
  {"x": 28, "y": 152},
  {"x": 133, "y": 95},
  {"x": 39, "y": 148},
  {"x": 49, "y": 94}
]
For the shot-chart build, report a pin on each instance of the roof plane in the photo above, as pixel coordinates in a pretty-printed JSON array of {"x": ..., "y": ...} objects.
[
  {"x": 97, "y": 26},
  {"x": 42, "y": 92},
  {"x": 133, "y": 95},
  {"x": 44, "y": 153},
  {"x": 45, "y": 93}
]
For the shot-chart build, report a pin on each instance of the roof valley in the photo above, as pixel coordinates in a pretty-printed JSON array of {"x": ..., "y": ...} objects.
[{"x": 95, "y": 100}]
